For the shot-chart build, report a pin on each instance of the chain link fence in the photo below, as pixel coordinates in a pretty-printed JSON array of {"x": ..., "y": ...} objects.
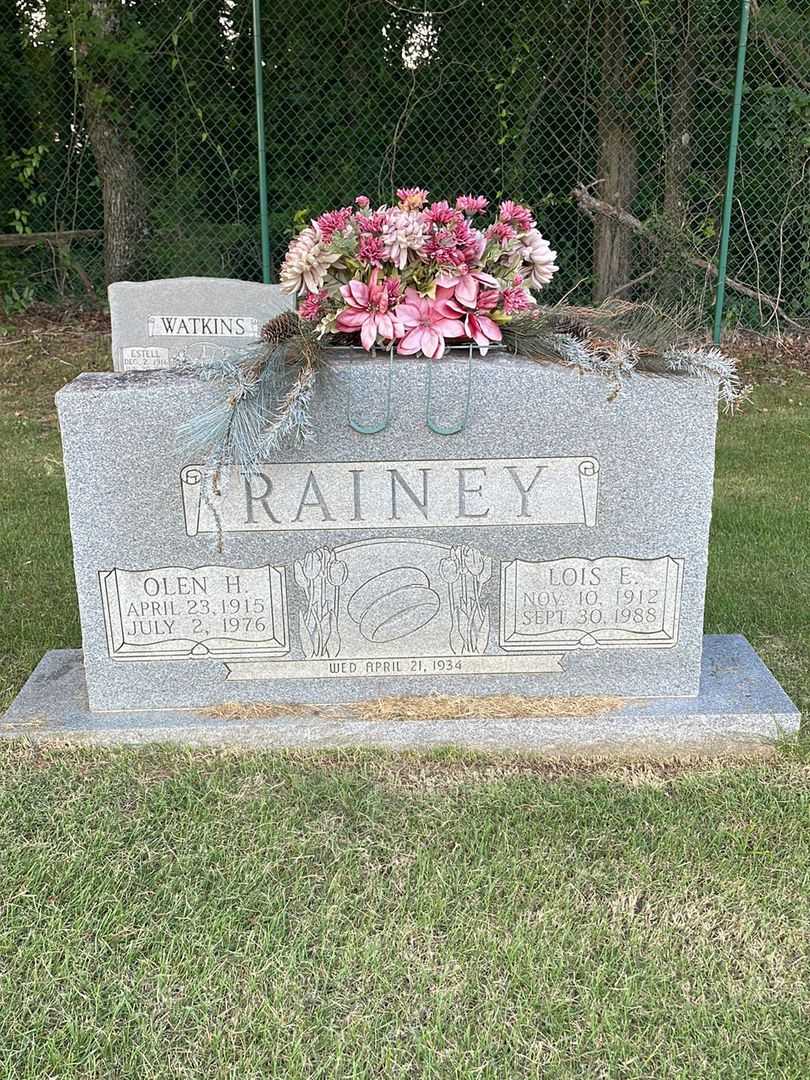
[{"x": 129, "y": 139}]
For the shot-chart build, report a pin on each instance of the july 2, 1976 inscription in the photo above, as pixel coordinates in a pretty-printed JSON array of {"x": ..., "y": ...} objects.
[{"x": 178, "y": 612}]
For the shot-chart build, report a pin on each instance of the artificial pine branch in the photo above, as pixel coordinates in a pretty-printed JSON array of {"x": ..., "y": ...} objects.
[{"x": 619, "y": 337}]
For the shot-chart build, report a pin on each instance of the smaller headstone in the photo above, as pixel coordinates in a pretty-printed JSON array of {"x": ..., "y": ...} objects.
[{"x": 158, "y": 324}]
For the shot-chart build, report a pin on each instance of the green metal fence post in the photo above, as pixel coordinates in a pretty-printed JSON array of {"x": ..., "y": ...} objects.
[
  {"x": 734, "y": 131},
  {"x": 262, "y": 150}
]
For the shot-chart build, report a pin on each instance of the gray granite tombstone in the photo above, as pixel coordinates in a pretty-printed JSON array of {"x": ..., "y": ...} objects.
[
  {"x": 554, "y": 547},
  {"x": 154, "y": 322}
]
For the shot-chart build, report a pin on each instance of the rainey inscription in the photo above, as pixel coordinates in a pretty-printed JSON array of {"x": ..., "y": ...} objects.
[
  {"x": 587, "y": 603},
  {"x": 197, "y": 326},
  {"x": 293, "y": 496},
  {"x": 211, "y": 612}
]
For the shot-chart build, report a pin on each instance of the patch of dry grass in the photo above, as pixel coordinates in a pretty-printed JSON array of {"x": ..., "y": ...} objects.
[{"x": 434, "y": 707}]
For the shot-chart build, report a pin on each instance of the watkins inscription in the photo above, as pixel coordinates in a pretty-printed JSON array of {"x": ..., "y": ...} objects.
[
  {"x": 292, "y": 496},
  {"x": 211, "y": 612},
  {"x": 228, "y": 326},
  {"x": 586, "y": 603}
]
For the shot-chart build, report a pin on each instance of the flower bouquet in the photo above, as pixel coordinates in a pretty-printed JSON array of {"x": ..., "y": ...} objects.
[{"x": 416, "y": 276}]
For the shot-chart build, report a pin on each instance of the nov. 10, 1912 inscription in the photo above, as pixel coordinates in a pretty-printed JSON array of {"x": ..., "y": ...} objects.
[{"x": 294, "y": 496}]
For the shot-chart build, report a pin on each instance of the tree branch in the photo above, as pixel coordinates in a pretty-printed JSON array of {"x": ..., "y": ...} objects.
[{"x": 591, "y": 206}]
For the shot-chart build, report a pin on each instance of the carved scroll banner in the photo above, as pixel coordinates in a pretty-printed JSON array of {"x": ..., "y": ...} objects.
[
  {"x": 567, "y": 604},
  {"x": 207, "y": 612},
  {"x": 294, "y": 496}
]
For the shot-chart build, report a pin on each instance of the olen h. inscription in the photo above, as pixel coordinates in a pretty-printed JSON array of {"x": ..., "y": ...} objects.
[{"x": 211, "y": 612}]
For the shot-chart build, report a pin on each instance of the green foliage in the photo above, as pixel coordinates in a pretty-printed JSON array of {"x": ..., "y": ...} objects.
[{"x": 500, "y": 97}]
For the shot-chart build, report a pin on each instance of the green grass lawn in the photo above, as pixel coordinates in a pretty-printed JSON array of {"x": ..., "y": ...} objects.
[{"x": 168, "y": 913}]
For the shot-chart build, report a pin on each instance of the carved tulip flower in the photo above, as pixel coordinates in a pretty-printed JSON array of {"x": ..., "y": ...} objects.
[
  {"x": 338, "y": 572},
  {"x": 298, "y": 573},
  {"x": 473, "y": 561},
  {"x": 448, "y": 569},
  {"x": 312, "y": 565}
]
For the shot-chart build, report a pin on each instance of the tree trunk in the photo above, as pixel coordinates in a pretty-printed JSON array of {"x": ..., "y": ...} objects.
[
  {"x": 116, "y": 163},
  {"x": 679, "y": 149},
  {"x": 120, "y": 194},
  {"x": 617, "y": 168}
]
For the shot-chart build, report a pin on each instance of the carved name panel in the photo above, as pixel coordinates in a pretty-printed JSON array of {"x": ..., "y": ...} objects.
[
  {"x": 590, "y": 603},
  {"x": 200, "y": 326},
  {"x": 294, "y": 496},
  {"x": 210, "y": 612}
]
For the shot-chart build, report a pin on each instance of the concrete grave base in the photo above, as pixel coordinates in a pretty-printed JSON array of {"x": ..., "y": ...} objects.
[{"x": 740, "y": 707}]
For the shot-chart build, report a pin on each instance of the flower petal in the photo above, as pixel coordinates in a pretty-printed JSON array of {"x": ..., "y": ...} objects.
[
  {"x": 408, "y": 313},
  {"x": 412, "y": 342},
  {"x": 385, "y": 326},
  {"x": 432, "y": 343},
  {"x": 448, "y": 327},
  {"x": 368, "y": 332},
  {"x": 490, "y": 328},
  {"x": 358, "y": 293},
  {"x": 350, "y": 319},
  {"x": 467, "y": 290}
]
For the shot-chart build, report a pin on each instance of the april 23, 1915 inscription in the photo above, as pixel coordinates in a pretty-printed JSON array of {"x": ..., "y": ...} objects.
[
  {"x": 211, "y": 612},
  {"x": 295, "y": 496},
  {"x": 581, "y": 603}
]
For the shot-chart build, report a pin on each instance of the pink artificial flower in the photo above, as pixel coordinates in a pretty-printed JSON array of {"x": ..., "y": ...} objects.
[
  {"x": 441, "y": 213},
  {"x": 513, "y": 213},
  {"x": 403, "y": 235},
  {"x": 465, "y": 285},
  {"x": 373, "y": 223},
  {"x": 333, "y": 221},
  {"x": 500, "y": 232},
  {"x": 412, "y": 198},
  {"x": 371, "y": 250},
  {"x": 472, "y": 204},
  {"x": 368, "y": 311},
  {"x": 312, "y": 305},
  {"x": 479, "y": 326},
  {"x": 426, "y": 323},
  {"x": 363, "y": 202},
  {"x": 393, "y": 286},
  {"x": 516, "y": 298},
  {"x": 456, "y": 244}
]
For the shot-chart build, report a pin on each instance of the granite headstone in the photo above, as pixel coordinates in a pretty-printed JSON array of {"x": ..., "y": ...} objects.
[
  {"x": 557, "y": 545},
  {"x": 155, "y": 322}
]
